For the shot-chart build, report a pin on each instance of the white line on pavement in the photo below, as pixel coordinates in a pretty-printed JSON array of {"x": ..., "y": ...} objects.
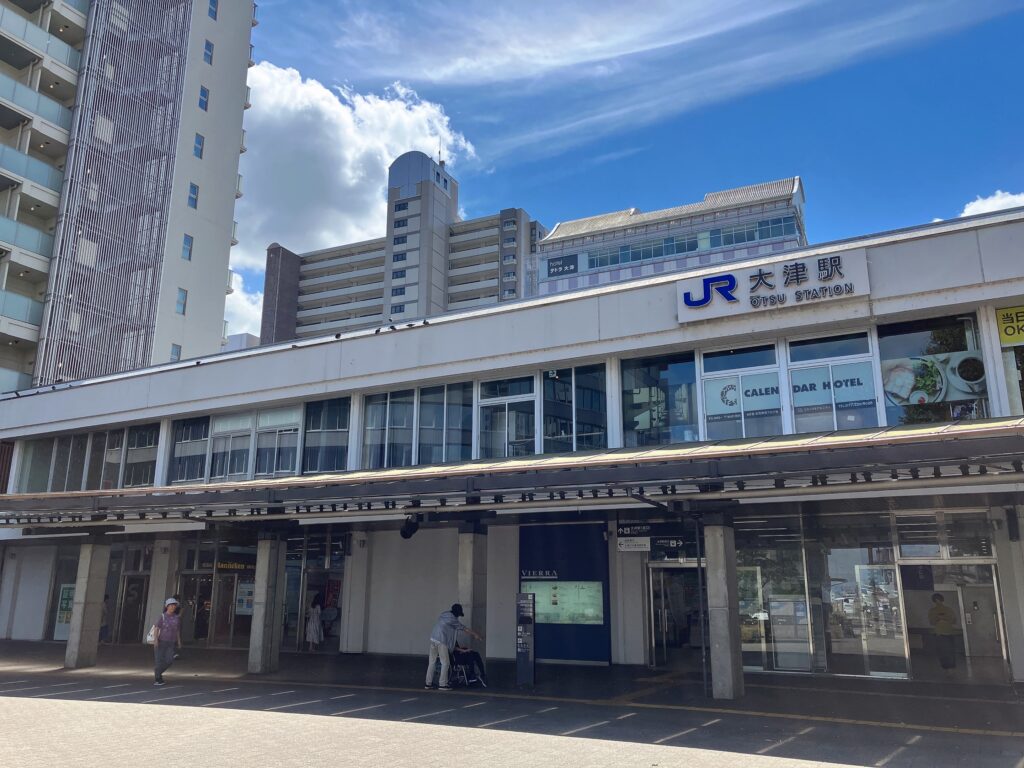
[
  {"x": 406, "y": 701},
  {"x": 623, "y": 717},
  {"x": 59, "y": 693},
  {"x": 898, "y": 751},
  {"x": 358, "y": 709},
  {"x": 477, "y": 704},
  {"x": 499, "y": 722},
  {"x": 711, "y": 722},
  {"x": 428, "y": 714},
  {"x": 230, "y": 701},
  {"x": 171, "y": 698},
  {"x": 281, "y": 693},
  {"x": 296, "y": 704},
  {"x": 224, "y": 690},
  {"x": 37, "y": 687},
  {"x": 343, "y": 696},
  {"x": 119, "y": 685},
  {"x": 549, "y": 709},
  {"x": 777, "y": 744},
  {"x": 584, "y": 728},
  {"x": 14, "y": 682},
  {"x": 674, "y": 736},
  {"x": 117, "y": 695}
]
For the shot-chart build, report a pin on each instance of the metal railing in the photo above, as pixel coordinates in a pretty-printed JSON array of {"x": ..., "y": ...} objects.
[
  {"x": 30, "y": 168},
  {"x": 14, "y": 381},
  {"x": 24, "y": 236},
  {"x": 36, "y": 103},
  {"x": 18, "y": 307},
  {"x": 80, "y": 5},
  {"x": 38, "y": 38}
]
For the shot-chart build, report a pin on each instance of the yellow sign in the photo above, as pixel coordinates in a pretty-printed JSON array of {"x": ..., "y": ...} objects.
[{"x": 1011, "y": 326}]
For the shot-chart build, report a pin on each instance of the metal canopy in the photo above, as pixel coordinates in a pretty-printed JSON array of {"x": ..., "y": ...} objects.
[{"x": 985, "y": 456}]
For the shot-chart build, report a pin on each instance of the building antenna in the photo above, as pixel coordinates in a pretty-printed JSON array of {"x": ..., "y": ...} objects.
[{"x": 439, "y": 160}]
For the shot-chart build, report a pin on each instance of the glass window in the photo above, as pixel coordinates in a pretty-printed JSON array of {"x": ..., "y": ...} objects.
[
  {"x": 175, "y": 352},
  {"x": 188, "y": 454},
  {"x": 399, "y": 223},
  {"x": 35, "y": 467},
  {"x": 388, "y": 430},
  {"x": 918, "y": 535},
  {"x": 69, "y": 463},
  {"x": 400, "y": 239},
  {"x": 208, "y": 52},
  {"x": 212, "y": 10},
  {"x": 507, "y": 387},
  {"x": 113, "y": 454},
  {"x": 181, "y": 302},
  {"x": 229, "y": 457},
  {"x": 968, "y": 534},
  {"x": 193, "y": 196},
  {"x": 401, "y": 207},
  {"x": 94, "y": 471},
  {"x": 398, "y": 257},
  {"x": 932, "y": 370},
  {"x": 659, "y": 403},
  {"x": 198, "y": 145},
  {"x": 397, "y": 308},
  {"x": 204, "y": 98},
  {"x": 398, "y": 274},
  {"x": 186, "y": 247},
  {"x": 458, "y": 422},
  {"x": 743, "y": 406},
  {"x": 231, "y": 422},
  {"x": 575, "y": 410},
  {"x": 837, "y": 396},
  {"x": 398, "y": 291},
  {"x": 835, "y": 346},
  {"x": 277, "y": 451},
  {"x": 734, "y": 359},
  {"x": 432, "y": 416},
  {"x": 375, "y": 412},
  {"x": 140, "y": 457},
  {"x": 325, "y": 447}
]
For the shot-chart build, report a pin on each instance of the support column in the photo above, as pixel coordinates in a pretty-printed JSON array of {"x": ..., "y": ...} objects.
[
  {"x": 613, "y": 392},
  {"x": 355, "y": 595},
  {"x": 163, "y": 578},
  {"x": 723, "y": 607},
  {"x": 87, "y": 609},
  {"x": 473, "y": 575},
  {"x": 267, "y": 606}
]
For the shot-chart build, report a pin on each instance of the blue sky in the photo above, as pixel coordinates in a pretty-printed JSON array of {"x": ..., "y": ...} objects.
[{"x": 893, "y": 113}]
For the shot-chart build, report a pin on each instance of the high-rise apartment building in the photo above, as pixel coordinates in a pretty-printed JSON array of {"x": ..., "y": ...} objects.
[
  {"x": 120, "y": 135},
  {"x": 429, "y": 262}
]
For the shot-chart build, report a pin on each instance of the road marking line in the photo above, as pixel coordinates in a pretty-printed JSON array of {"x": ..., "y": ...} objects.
[
  {"x": 171, "y": 698},
  {"x": 584, "y": 728},
  {"x": 1020, "y": 764},
  {"x": 777, "y": 744},
  {"x": 14, "y": 682},
  {"x": 358, "y": 709},
  {"x": 675, "y": 735},
  {"x": 230, "y": 701},
  {"x": 224, "y": 690},
  {"x": 428, "y": 714},
  {"x": 119, "y": 685},
  {"x": 406, "y": 701},
  {"x": 297, "y": 704},
  {"x": 479, "y": 703},
  {"x": 623, "y": 717},
  {"x": 898, "y": 751},
  {"x": 37, "y": 687},
  {"x": 343, "y": 696},
  {"x": 59, "y": 693},
  {"x": 711, "y": 722},
  {"x": 499, "y": 722},
  {"x": 549, "y": 709},
  {"x": 280, "y": 693},
  {"x": 116, "y": 695}
]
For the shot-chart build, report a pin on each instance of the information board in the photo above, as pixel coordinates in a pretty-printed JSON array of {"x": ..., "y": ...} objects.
[
  {"x": 525, "y": 621},
  {"x": 567, "y": 602}
]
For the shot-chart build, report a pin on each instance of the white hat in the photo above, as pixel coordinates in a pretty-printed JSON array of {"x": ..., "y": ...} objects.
[{"x": 170, "y": 601}]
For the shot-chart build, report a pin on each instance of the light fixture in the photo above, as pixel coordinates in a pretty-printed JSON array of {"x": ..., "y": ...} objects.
[{"x": 410, "y": 526}]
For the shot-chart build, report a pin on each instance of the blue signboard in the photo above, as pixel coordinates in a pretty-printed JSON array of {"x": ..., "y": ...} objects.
[
  {"x": 559, "y": 266},
  {"x": 566, "y": 567}
]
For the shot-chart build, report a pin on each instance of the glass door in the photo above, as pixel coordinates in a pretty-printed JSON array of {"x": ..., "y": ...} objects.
[
  {"x": 878, "y": 606},
  {"x": 131, "y": 616},
  {"x": 678, "y": 606},
  {"x": 223, "y": 609},
  {"x": 196, "y": 594}
]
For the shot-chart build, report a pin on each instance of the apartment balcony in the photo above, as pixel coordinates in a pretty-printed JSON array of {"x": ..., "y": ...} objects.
[
  {"x": 337, "y": 310},
  {"x": 341, "y": 279},
  {"x": 234, "y": 233},
  {"x": 470, "y": 302},
  {"x": 367, "y": 291},
  {"x": 230, "y": 288},
  {"x": 16, "y": 234},
  {"x": 14, "y": 381},
  {"x": 373, "y": 319},
  {"x": 341, "y": 264},
  {"x": 476, "y": 234},
  {"x": 252, "y": 53},
  {"x": 243, "y": 149},
  {"x": 247, "y": 104},
  {"x": 25, "y": 100},
  {"x": 255, "y": 15},
  {"x": 238, "y": 187},
  {"x": 486, "y": 251},
  {"x": 24, "y": 167},
  {"x": 474, "y": 269},
  {"x": 477, "y": 286},
  {"x": 14, "y": 306},
  {"x": 82, "y": 6},
  {"x": 35, "y": 39}
]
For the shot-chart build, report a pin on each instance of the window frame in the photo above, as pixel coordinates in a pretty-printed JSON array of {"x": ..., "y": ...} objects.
[
  {"x": 193, "y": 196},
  {"x": 198, "y": 146},
  {"x": 208, "y": 52},
  {"x": 188, "y": 243},
  {"x": 204, "y": 98},
  {"x": 181, "y": 303}
]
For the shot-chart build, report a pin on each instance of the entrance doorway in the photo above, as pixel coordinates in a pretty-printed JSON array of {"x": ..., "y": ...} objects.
[
  {"x": 954, "y": 622},
  {"x": 231, "y": 609},
  {"x": 131, "y": 617},
  {"x": 678, "y": 617},
  {"x": 196, "y": 592}
]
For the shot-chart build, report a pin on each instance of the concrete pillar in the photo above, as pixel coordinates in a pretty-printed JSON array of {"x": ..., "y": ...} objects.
[
  {"x": 16, "y": 458},
  {"x": 613, "y": 387},
  {"x": 1010, "y": 564},
  {"x": 723, "y": 608},
  {"x": 267, "y": 607},
  {"x": 355, "y": 595},
  {"x": 473, "y": 576},
  {"x": 87, "y": 609},
  {"x": 163, "y": 577},
  {"x": 355, "y": 432},
  {"x": 164, "y": 444}
]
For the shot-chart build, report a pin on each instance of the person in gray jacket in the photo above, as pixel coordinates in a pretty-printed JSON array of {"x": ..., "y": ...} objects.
[{"x": 442, "y": 643}]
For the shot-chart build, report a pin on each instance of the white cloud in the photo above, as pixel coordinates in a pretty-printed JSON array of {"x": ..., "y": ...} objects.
[
  {"x": 316, "y": 169},
  {"x": 997, "y": 201},
  {"x": 242, "y": 308}
]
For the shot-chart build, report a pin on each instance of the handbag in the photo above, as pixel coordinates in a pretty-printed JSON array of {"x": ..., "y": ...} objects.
[{"x": 151, "y": 635}]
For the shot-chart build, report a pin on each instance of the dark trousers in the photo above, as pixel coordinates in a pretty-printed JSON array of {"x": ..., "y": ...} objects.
[
  {"x": 945, "y": 647},
  {"x": 164, "y": 653}
]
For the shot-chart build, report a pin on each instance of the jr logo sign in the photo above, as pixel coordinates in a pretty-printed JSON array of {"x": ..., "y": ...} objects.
[{"x": 724, "y": 285}]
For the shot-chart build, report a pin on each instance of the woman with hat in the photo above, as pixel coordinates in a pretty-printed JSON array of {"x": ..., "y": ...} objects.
[{"x": 166, "y": 638}]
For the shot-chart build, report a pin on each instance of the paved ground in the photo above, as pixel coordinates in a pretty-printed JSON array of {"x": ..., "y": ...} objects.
[{"x": 113, "y": 716}]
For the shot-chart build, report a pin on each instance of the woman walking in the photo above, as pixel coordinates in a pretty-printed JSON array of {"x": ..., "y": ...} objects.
[
  {"x": 166, "y": 638},
  {"x": 314, "y": 625}
]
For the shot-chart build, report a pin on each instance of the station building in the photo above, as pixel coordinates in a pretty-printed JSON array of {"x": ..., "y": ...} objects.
[{"x": 772, "y": 464}]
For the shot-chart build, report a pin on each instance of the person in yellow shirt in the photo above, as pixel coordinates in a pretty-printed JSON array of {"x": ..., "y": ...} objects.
[{"x": 943, "y": 621}]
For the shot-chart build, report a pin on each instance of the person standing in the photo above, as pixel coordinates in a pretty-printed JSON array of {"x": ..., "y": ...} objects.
[
  {"x": 314, "y": 623},
  {"x": 442, "y": 643},
  {"x": 943, "y": 621},
  {"x": 105, "y": 620},
  {"x": 166, "y": 639}
]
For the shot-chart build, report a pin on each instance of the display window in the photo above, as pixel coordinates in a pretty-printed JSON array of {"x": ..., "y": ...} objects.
[
  {"x": 747, "y": 400},
  {"x": 832, "y": 383}
]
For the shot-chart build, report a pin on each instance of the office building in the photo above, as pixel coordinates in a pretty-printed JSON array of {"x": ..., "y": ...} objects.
[
  {"x": 119, "y": 144},
  {"x": 805, "y": 446}
]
